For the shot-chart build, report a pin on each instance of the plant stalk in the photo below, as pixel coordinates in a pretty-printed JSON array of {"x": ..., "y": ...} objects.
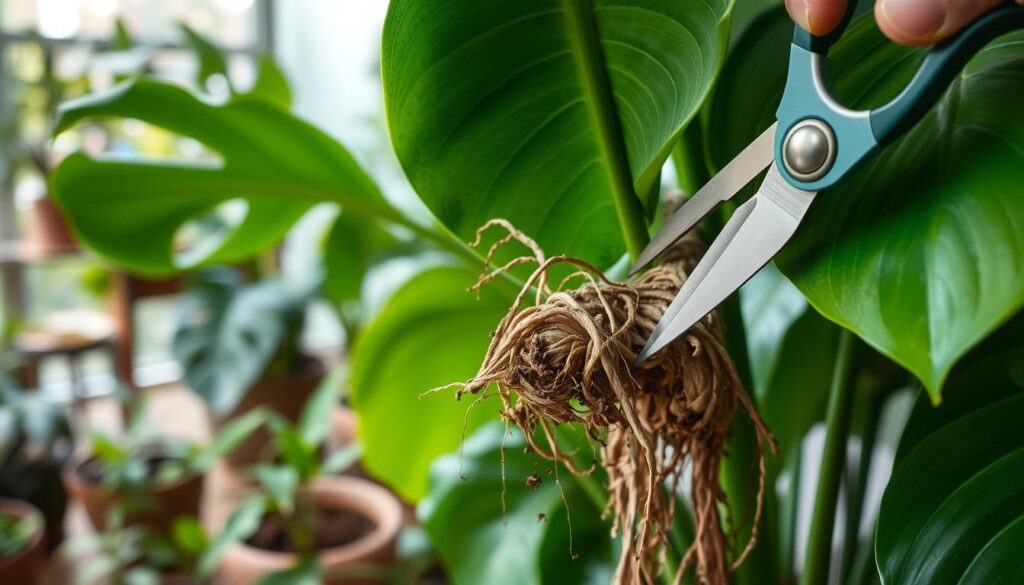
[
  {"x": 855, "y": 507},
  {"x": 688, "y": 159},
  {"x": 837, "y": 421},
  {"x": 790, "y": 516}
]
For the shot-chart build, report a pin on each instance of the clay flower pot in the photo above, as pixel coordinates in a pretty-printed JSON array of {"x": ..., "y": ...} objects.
[
  {"x": 25, "y": 566},
  {"x": 244, "y": 564},
  {"x": 48, "y": 230},
  {"x": 180, "y": 498},
  {"x": 284, "y": 396}
]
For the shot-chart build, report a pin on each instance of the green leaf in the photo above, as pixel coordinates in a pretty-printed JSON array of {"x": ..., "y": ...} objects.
[
  {"x": 188, "y": 535},
  {"x": 227, "y": 333},
  {"x": 242, "y": 523},
  {"x": 211, "y": 61},
  {"x": 230, "y": 436},
  {"x": 271, "y": 84},
  {"x": 431, "y": 333},
  {"x": 529, "y": 542},
  {"x": 916, "y": 251},
  {"x": 342, "y": 458},
  {"x": 953, "y": 511},
  {"x": 315, "y": 418},
  {"x": 279, "y": 482},
  {"x": 279, "y": 165},
  {"x": 792, "y": 351},
  {"x": 348, "y": 251},
  {"x": 297, "y": 454},
  {"x": 306, "y": 572},
  {"x": 554, "y": 115}
]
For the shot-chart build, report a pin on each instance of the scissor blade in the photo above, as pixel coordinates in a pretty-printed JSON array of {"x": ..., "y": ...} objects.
[
  {"x": 753, "y": 235},
  {"x": 733, "y": 177}
]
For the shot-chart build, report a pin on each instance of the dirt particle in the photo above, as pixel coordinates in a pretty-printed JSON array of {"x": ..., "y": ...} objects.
[{"x": 533, "y": 481}]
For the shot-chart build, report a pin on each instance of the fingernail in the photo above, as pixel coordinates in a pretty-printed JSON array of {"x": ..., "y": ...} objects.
[
  {"x": 798, "y": 12},
  {"x": 917, "y": 19}
]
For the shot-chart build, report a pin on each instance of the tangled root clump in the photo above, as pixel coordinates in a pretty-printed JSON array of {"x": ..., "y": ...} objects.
[{"x": 568, "y": 358}]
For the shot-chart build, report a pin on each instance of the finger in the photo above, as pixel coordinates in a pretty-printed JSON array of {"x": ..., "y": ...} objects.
[
  {"x": 818, "y": 17},
  {"x": 923, "y": 22}
]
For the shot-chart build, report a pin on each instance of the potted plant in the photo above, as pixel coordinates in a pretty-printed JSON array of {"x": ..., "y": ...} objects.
[
  {"x": 299, "y": 521},
  {"x": 239, "y": 345},
  {"x": 132, "y": 554},
  {"x": 35, "y": 442},
  {"x": 148, "y": 479},
  {"x": 21, "y": 542}
]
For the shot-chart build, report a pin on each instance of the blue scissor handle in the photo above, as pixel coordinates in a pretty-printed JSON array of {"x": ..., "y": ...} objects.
[{"x": 859, "y": 133}]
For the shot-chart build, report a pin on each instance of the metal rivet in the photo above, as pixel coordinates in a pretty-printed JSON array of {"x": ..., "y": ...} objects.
[{"x": 809, "y": 150}]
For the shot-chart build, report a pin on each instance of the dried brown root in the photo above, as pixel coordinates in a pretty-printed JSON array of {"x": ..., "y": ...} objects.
[{"x": 568, "y": 358}]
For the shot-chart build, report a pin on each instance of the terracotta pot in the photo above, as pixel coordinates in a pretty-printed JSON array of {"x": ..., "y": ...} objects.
[
  {"x": 26, "y": 566},
  {"x": 284, "y": 396},
  {"x": 48, "y": 230},
  {"x": 181, "y": 498},
  {"x": 243, "y": 564}
]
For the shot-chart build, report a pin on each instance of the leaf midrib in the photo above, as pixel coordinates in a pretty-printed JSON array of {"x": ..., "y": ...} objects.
[{"x": 597, "y": 95}]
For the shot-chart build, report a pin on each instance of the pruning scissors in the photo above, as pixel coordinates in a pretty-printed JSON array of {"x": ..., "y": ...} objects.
[{"x": 814, "y": 143}]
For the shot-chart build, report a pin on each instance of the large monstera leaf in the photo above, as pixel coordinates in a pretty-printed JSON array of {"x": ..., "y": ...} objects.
[
  {"x": 953, "y": 512},
  {"x": 921, "y": 251},
  {"x": 130, "y": 211},
  {"x": 554, "y": 114}
]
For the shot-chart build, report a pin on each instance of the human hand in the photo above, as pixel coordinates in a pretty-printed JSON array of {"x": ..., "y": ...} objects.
[{"x": 908, "y": 22}]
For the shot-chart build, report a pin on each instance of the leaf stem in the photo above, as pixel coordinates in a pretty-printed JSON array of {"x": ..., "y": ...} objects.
[
  {"x": 837, "y": 421},
  {"x": 791, "y": 514},
  {"x": 601, "y": 105},
  {"x": 688, "y": 159},
  {"x": 855, "y": 503}
]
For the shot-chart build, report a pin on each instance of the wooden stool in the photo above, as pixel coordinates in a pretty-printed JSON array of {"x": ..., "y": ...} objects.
[{"x": 70, "y": 334}]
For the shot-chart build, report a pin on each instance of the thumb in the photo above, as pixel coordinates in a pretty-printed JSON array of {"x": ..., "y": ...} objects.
[
  {"x": 923, "y": 22},
  {"x": 818, "y": 17}
]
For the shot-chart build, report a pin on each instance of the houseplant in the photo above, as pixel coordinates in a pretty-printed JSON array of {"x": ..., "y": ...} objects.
[
  {"x": 299, "y": 520},
  {"x": 559, "y": 117},
  {"x": 21, "y": 542},
  {"x": 35, "y": 443},
  {"x": 147, "y": 479}
]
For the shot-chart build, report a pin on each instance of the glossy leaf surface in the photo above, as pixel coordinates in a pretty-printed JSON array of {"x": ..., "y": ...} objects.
[
  {"x": 953, "y": 512},
  {"x": 545, "y": 112},
  {"x": 431, "y": 333}
]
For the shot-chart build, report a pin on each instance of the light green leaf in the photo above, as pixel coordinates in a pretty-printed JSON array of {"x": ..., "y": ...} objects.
[
  {"x": 918, "y": 252},
  {"x": 188, "y": 535},
  {"x": 279, "y": 165},
  {"x": 342, "y": 459},
  {"x": 242, "y": 523},
  {"x": 431, "y": 333},
  {"x": 348, "y": 251},
  {"x": 229, "y": 437},
  {"x": 953, "y": 512},
  {"x": 554, "y": 115},
  {"x": 279, "y": 482},
  {"x": 211, "y": 61},
  {"x": 271, "y": 84},
  {"x": 527, "y": 542}
]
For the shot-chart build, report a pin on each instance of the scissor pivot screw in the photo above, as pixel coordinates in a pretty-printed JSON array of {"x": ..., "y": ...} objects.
[{"x": 809, "y": 150}]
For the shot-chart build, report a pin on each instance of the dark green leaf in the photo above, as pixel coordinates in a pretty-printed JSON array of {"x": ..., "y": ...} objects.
[
  {"x": 554, "y": 115},
  {"x": 792, "y": 351},
  {"x": 278, "y": 164},
  {"x": 348, "y": 250},
  {"x": 242, "y": 523},
  {"x": 431, "y": 333},
  {"x": 915, "y": 251},
  {"x": 227, "y": 334},
  {"x": 528, "y": 542},
  {"x": 953, "y": 511}
]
